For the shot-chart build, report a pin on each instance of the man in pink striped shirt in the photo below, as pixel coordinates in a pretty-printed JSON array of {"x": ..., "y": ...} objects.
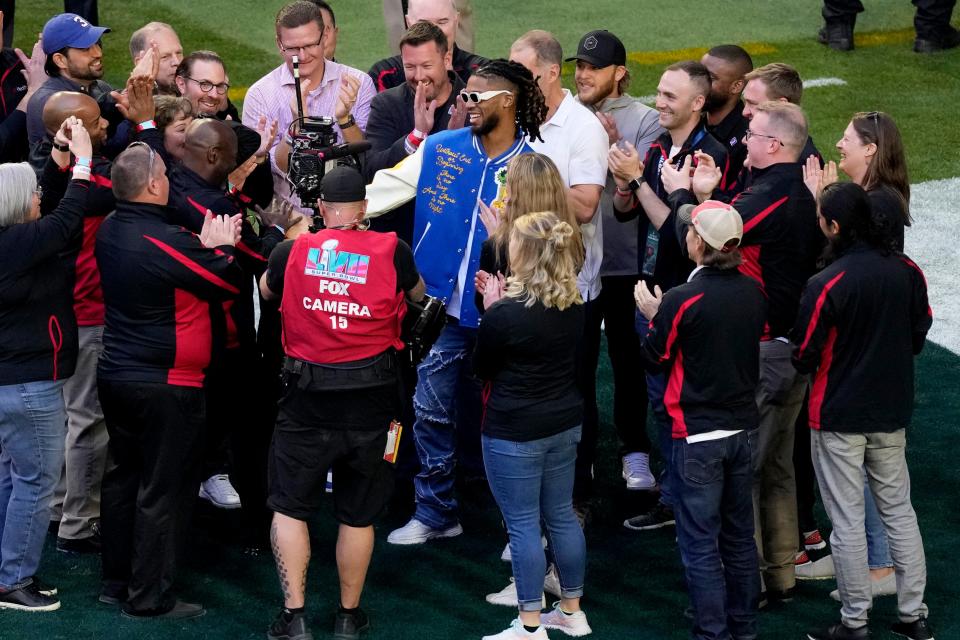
[{"x": 328, "y": 88}]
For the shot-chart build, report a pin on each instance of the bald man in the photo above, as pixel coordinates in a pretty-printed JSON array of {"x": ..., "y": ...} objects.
[
  {"x": 396, "y": 17},
  {"x": 197, "y": 184},
  {"x": 76, "y": 503}
]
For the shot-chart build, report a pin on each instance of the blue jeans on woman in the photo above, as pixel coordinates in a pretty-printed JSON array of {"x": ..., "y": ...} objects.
[
  {"x": 878, "y": 550},
  {"x": 33, "y": 426},
  {"x": 532, "y": 483}
]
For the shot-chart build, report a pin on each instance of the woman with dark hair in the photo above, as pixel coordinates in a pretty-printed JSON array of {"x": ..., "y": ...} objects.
[
  {"x": 38, "y": 351},
  {"x": 871, "y": 154},
  {"x": 174, "y": 114},
  {"x": 861, "y": 322}
]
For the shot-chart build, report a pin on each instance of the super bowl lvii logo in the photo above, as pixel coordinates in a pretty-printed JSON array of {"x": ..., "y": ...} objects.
[{"x": 327, "y": 262}]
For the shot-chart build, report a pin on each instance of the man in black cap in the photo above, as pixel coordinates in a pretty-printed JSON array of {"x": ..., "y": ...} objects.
[{"x": 341, "y": 296}]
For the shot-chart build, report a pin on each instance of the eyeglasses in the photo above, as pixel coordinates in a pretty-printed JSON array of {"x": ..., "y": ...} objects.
[
  {"x": 39, "y": 192},
  {"x": 153, "y": 154},
  {"x": 206, "y": 86},
  {"x": 478, "y": 96},
  {"x": 291, "y": 50},
  {"x": 751, "y": 134},
  {"x": 875, "y": 116}
]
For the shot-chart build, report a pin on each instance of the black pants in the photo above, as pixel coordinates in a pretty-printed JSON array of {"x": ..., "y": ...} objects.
[
  {"x": 803, "y": 472},
  {"x": 86, "y": 9},
  {"x": 149, "y": 488},
  {"x": 931, "y": 20},
  {"x": 616, "y": 309},
  {"x": 239, "y": 428}
]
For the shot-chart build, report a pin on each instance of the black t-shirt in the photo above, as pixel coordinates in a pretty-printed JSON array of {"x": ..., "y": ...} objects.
[
  {"x": 527, "y": 358},
  {"x": 885, "y": 199},
  {"x": 407, "y": 274}
]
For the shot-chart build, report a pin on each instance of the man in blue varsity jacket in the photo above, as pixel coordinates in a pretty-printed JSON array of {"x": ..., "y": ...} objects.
[{"x": 450, "y": 172}]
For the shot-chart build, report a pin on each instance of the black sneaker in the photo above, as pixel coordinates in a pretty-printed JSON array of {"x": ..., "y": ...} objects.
[
  {"x": 949, "y": 39},
  {"x": 660, "y": 516},
  {"x": 916, "y": 630},
  {"x": 28, "y": 599},
  {"x": 349, "y": 624},
  {"x": 42, "y": 588},
  {"x": 180, "y": 611},
  {"x": 840, "y": 631},
  {"x": 289, "y": 626},
  {"x": 90, "y": 544},
  {"x": 839, "y": 36}
]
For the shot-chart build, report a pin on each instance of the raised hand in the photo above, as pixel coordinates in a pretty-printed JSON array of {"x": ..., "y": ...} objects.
[
  {"x": 218, "y": 231},
  {"x": 32, "y": 67},
  {"x": 706, "y": 177},
  {"x": 149, "y": 63},
  {"x": 347, "y": 96},
  {"x": 493, "y": 290},
  {"x": 423, "y": 111},
  {"x": 829, "y": 174},
  {"x": 279, "y": 213},
  {"x": 624, "y": 162},
  {"x": 648, "y": 303},
  {"x": 610, "y": 126},
  {"x": 136, "y": 102},
  {"x": 674, "y": 177},
  {"x": 80, "y": 144},
  {"x": 239, "y": 175},
  {"x": 488, "y": 216},
  {"x": 812, "y": 176},
  {"x": 459, "y": 116},
  {"x": 267, "y": 135},
  {"x": 480, "y": 279}
]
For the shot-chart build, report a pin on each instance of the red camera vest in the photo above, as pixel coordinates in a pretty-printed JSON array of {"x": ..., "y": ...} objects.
[{"x": 340, "y": 300}]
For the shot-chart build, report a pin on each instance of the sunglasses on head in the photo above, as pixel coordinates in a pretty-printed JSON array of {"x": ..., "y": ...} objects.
[{"x": 481, "y": 96}]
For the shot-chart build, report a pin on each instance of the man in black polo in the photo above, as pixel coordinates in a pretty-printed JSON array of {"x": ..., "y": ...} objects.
[
  {"x": 681, "y": 96},
  {"x": 388, "y": 73},
  {"x": 402, "y": 117},
  {"x": 728, "y": 64}
]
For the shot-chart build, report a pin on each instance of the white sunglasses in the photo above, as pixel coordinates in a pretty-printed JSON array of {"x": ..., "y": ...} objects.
[{"x": 478, "y": 97}]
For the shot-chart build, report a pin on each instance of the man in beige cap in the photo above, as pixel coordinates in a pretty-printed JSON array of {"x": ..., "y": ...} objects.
[{"x": 705, "y": 336}]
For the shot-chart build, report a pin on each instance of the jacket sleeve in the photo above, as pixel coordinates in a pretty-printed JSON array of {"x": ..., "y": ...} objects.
[
  {"x": 13, "y": 136},
  {"x": 181, "y": 260},
  {"x": 490, "y": 351},
  {"x": 44, "y": 238},
  {"x": 921, "y": 315},
  {"x": 658, "y": 348},
  {"x": 815, "y": 319},
  {"x": 386, "y": 148},
  {"x": 395, "y": 186}
]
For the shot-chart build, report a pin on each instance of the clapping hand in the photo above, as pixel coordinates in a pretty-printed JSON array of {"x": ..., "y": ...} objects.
[
  {"x": 610, "y": 126},
  {"x": 674, "y": 177},
  {"x": 279, "y": 213},
  {"x": 624, "y": 162},
  {"x": 706, "y": 177},
  {"x": 423, "y": 111},
  {"x": 493, "y": 289},
  {"x": 459, "y": 116},
  {"x": 648, "y": 303},
  {"x": 267, "y": 135},
  {"x": 347, "y": 96},
  {"x": 488, "y": 216},
  {"x": 218, "y": 231},
  {"x": 136, "y": 102}
]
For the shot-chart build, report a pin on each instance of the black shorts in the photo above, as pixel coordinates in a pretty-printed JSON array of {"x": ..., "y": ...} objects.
[{"x": 301, "y": 454}]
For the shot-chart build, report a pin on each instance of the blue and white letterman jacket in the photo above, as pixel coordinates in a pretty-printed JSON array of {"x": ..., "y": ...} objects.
[{"x": 447, "y": 175}]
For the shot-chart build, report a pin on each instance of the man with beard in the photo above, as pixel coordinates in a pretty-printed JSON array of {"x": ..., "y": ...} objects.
[
  {"x": 201, "y": 78},
  {"x": 168, "y": 50},
  {"x": 727, "y": 64},
  {"x": 402, "y": 117},
  {"x": 74, "y": 63},
  {"x": 602, "y": 80},
  {"x": 459, "y": 167}
]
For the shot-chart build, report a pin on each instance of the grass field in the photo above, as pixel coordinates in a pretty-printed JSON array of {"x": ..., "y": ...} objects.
[{"x": 633, "y": 585}]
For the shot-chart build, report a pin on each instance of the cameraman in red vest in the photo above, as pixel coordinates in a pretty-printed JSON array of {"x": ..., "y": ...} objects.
[{"x": 342, "y": 303}]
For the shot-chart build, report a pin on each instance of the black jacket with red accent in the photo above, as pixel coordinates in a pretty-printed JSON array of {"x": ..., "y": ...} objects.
[
  {"x": 861, "y": 322},
  {"x": 159, "y": 283},
  {"x": 672, "y": 264},
  {"x": 706, "y": 336},
  {"x": 781, "y": 239},
  {"x": 190, "y": 197},
  {"x": 38, "y": 331}
]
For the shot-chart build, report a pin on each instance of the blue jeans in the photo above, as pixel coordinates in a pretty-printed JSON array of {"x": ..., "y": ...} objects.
[
  {"x": 445, "y": 381},
  {"x": 878, "y": 550},
  {"x": 713, "y": 506},
  {"x": 532, "y": 482},
  {"x": 656, "y": 388},
  {"x": 33, "y": 426}
]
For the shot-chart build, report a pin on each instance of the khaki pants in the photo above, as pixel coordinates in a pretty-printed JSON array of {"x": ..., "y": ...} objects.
[
  {"x": 396, "y": 24},
  {"x": 779, "y": 396},
  {"x": 77, "y": 496}
]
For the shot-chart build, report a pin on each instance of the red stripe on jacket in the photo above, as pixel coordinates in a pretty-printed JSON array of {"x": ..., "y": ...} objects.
[
  {"x": 819, "y": 389},
  {"x": 674, "y": 390},
  {"x": 194, "y": 340},
  {"x": 817, "y": 309},
  {"x": 193, "y": 266}
]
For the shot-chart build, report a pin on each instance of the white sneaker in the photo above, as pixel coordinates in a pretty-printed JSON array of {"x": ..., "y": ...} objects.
[
  {"x": 516, "y": 632},
  {"x": 218, "y": 491},
  {"x": 886, "y": 586},
  {"x": 636, "y": 471},
  {"x": 819, "y": 569},
  {"x": 416, "y": 532},
  {"x": 506, "y": 556},
  {"x": 507, "y": 596},
  {"x": 573, "y": 624},
  {"x": 551, "y": 583}
]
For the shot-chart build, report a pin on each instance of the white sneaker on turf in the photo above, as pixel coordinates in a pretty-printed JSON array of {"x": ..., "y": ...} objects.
[
  {"x": 886, "y": 586},
  {"x": 516, "y": 632},
  {"x": 218, "y": 491},
  {"x": 416, "y": 532},
  {"x": 507, "y": 597},
  {"x": 636, "y": 471},
  {"x": 572, "y": 624},
  {"x": 551, "y": 583},
  {"x": 819, "y": 569}
]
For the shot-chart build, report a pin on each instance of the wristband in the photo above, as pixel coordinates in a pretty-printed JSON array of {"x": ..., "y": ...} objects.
[
  {"x": 414, "y": 140},
  {"x": 146, "y": 124},
  {"x": 280, "y": 229},
  {"x": 61, "y": 147},
  {"x": 84, "y": 162},
  {"x": 623, "y": 192},
  {"x": 419, "y": 135},
  {"x": 82, "y": 173}
]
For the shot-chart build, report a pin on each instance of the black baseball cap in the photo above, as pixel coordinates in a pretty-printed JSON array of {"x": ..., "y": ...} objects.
[
  {"x": 601, "y": 49},
  {"x": 343, "y": 184}
]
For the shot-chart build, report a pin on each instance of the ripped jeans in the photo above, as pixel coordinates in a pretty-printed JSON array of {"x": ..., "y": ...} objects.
[{"x": 445, "y": 383}]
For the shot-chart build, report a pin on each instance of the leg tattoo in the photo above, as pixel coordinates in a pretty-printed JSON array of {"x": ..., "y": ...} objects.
[{"x": 281, "y": 568}]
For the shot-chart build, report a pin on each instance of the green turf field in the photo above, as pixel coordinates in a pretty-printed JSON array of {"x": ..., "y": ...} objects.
[{"x": 633, "y": 583}]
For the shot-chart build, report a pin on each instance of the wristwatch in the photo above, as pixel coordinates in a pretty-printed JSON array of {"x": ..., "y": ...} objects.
[
  {"x": 346, "y": 124},
  {"x": 634, "y": 185}
]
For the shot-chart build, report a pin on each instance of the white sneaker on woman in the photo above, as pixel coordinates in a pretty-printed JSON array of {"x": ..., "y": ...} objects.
[
  {"x": 572, "y": 624},
  {"x": 516, "y": 632}
]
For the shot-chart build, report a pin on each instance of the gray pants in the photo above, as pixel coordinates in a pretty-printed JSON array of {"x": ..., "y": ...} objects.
[
  {"x": 779, "y": 397},
  {"x": 77, "y": 496},
  {"x": 396, "y": 24},
  {"x": 837, "y": 460}
]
